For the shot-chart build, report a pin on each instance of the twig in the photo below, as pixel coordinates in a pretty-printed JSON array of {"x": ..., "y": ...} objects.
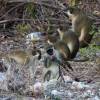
[
  {"x": 30, "y": 20},
  {"x": 11, "y": 10},
  {"x": 35, "y": 2}
]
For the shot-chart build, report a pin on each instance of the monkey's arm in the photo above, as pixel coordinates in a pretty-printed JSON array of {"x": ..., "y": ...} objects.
[{"x": 35, "y": 51}]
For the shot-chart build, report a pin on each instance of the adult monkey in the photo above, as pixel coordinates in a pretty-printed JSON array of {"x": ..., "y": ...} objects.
[{"x": 81, "y": 25}]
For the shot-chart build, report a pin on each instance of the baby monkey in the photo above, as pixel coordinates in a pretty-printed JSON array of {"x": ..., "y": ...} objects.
[{"x": 81, "y": 25}]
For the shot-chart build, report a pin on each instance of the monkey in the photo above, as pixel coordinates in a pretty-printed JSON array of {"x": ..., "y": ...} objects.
[
  {"x": 81, "y": 25},
  {"x": 20, "y": 56},
  {"x": 67, "y": 44}
]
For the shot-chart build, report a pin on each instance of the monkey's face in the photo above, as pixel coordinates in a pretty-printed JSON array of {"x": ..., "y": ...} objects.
[
  {"x": 72, "y": 12},
  {"x": 53, "y": 53},
  {"x": 50, "y": 51},
  {"x": 70, "y": 15}
]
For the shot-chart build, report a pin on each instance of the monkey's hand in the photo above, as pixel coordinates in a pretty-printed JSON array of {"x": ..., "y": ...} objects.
[{"x": 63, "y": 64}]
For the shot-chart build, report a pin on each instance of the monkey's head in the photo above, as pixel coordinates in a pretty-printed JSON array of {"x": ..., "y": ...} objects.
[
  {"x": 52, "y": 52},
  {"x": 52, "y": 37},
  {"x": 61, "y": 51},
  {"x": 72, "y": 12}
]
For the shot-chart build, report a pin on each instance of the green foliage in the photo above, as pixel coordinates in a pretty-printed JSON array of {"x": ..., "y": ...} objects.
[
  {"x": 94, "y": 30},
  {"x": 23, "y": 28},
  {"x": 56, "y": 98},
  {"x": 90, "y": 51},
  {"x": 73, "y": 2},
  {"x": 31, "y": 10}
]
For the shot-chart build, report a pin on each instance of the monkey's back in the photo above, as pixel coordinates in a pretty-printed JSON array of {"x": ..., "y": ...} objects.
[
  {"x": 19, "y": 56},
  {"x": 63, "y": 50},
  {"x": 82, "y": 21},
  {"x": 71, "y": 40}
]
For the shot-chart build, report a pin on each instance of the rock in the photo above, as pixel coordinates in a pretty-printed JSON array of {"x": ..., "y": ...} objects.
[
  {"x": 68, "y": 79},
  {"x": 79, "y": 85}
]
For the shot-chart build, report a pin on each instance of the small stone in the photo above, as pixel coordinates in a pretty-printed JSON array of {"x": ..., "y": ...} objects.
[
  {"x": 2, "y": 77},
  {"x": 96, "y": 98},
  {"x": 68, "y": 79},
  {"x": 37, "y": 88},
  {"x": 89, "y": 93},
  {"x": 70, "y": 94},
  {"x": 79, "y": 85},
  {"x": 54, "y": 92}
]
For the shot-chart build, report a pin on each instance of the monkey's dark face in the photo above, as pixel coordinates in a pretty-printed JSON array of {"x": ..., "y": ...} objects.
[
  {"x": 50, "y": 51},
  {"x": 72, "y": 12},
  {"x": 53, "y": 53}
]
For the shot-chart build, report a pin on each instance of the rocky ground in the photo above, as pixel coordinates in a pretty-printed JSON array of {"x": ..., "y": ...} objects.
[{"x": 81, "y": 84}]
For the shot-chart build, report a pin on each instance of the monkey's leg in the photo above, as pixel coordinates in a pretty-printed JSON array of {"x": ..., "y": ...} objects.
[
  {"x": 60, "y": 74},
  {"x": 62, "y": 65}
]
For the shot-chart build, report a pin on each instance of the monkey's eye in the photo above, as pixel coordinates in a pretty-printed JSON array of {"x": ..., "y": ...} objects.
[{"x": 50, "y": 51}]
